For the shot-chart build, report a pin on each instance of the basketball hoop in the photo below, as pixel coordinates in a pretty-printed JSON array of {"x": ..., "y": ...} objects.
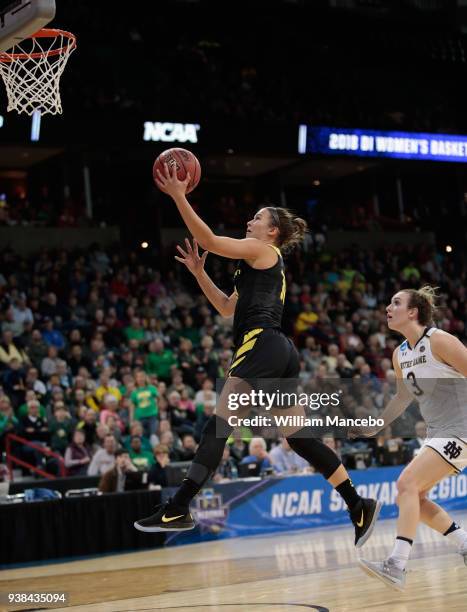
[{"x": 32, "y": 68}]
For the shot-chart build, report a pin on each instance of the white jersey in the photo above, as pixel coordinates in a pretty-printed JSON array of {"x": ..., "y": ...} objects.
[{"x": 440, "y": 390}]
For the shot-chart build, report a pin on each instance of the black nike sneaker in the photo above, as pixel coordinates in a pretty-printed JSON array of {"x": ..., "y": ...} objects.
[
  {"x": 364, "y": 517},
  {"x": 168, "y": 517}
]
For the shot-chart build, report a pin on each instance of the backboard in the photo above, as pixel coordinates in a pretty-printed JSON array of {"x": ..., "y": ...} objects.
[{"x": 22, "y": 18}]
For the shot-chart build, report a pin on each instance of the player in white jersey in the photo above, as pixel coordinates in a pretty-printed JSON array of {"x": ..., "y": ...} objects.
[{"x": 431, "y": 366}]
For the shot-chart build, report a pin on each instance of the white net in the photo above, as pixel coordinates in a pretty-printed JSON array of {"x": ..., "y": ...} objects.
[{"x": 31, "y": 71}]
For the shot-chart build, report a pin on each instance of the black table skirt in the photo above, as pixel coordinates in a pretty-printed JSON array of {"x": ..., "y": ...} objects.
[
  {"x": 76, "y": 526},
  {"x": 57, "y": 484}
]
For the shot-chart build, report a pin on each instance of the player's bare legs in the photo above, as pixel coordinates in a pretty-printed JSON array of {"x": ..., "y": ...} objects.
[
  {"x": 433, "y": 515},
  {"x": 422, "y": 473},
  {"x": 425, "y": 470}
]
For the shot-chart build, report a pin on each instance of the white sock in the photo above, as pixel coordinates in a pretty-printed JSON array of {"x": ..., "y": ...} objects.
[
  {"x": 458, "y": 537},
  {"x": 400, "y": 553}
]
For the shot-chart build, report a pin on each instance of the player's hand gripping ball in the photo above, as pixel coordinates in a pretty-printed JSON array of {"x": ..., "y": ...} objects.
[{"x": 184, "y": 161}]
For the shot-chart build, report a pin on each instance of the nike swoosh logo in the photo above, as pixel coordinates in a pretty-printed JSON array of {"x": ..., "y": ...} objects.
[
  {"x": 172, "y": 518},
  {"x": 359, "y": 523}
]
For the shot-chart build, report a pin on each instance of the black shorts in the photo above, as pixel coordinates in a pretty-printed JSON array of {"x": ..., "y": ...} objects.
[{"x": 265, "y": 353}]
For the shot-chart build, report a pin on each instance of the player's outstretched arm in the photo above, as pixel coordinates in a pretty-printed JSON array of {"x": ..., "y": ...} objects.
[
  {"x": 403, "y": 398},
  {"x": 394, "y": 408},
  {"x": 246, "y": 248},
  {"x": 225, "y": 305}
]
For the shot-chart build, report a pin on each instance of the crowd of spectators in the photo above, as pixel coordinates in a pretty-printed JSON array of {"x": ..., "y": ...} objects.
[
  {"x": 18, "y": 210},
  {"x": 112, "y": 364}
]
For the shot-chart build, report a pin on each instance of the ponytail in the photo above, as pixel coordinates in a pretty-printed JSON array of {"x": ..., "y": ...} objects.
[
  {"x": 424, "y": 299},
  {"x": 292, "y": 229}
]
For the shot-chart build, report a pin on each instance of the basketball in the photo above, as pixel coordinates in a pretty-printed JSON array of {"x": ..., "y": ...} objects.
[{"x": 185, "y": 162}]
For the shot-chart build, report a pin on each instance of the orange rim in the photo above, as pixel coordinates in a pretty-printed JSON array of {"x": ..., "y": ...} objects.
[{"x": 44, "y": 33}]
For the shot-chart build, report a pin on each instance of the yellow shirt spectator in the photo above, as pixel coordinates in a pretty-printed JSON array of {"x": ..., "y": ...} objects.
[
  {"x": 94, "y": 400},
  {"x": 305, "y": 319},
  {"x": 104, "y": 388},
  {"x": 102, "y": 391},
  {"x": 9, "y": 351}
]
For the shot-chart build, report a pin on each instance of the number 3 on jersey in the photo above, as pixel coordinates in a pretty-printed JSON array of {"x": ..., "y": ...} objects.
[{"x": 413, "y": 380}]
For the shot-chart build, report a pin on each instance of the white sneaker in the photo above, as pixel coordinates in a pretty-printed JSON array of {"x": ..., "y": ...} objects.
[{"x": 386, "y": 571}]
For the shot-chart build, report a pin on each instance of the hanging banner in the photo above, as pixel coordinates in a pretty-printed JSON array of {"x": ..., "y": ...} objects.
[{"x": 373, "y": 143}]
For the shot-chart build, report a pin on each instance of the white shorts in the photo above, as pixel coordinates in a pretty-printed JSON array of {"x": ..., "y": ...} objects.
[{"x": 453, "y": 450}]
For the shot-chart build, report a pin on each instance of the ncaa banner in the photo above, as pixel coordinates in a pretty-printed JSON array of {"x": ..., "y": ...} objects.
[{"x": 255, "y": 507}]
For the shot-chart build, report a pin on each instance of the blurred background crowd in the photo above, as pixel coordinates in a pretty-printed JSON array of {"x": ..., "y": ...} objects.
[{"x": 111, "y": 361}]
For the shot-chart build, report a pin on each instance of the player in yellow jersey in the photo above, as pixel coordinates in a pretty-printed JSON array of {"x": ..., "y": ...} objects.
[{"x": 262, "y": 351}]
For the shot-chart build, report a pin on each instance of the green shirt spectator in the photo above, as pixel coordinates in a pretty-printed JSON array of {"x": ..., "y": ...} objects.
[
  {"x": 143, "y": 398},
  {"x": 410, "y": 271},
  {"x": 127, "y": 386},
  {"x": 160, "y": 360},
  {"x": 141, "y": 459},
  {"x": 22, "y": 411},
  {"x": 145, "y": 444},
  {"x": 134, "y": 331},
  {"x": 347, "y": 276},
  {"x": 243, "y": 432},
  {"x": 189, "y": 331},
  {"x": 61, "y": 428},
  {"x": 8, "y": 421},
  {"x": 136, "y": 429}
]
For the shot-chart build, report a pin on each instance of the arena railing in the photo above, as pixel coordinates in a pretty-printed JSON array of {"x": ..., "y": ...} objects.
[{"x": 12, "y": 459}]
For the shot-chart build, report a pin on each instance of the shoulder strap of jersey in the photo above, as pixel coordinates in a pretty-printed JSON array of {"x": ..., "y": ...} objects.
[
  {"x": 277, "y": 249},
  {"x": 431, "y": 331}
]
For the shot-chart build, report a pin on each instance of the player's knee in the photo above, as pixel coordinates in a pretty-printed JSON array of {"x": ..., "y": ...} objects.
[
  {"x": 406, "y": 483},
  {"x": 423, "y": 496}
]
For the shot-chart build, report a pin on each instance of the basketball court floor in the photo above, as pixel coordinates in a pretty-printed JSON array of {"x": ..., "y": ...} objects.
[{"x": 301, "y": 570}]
